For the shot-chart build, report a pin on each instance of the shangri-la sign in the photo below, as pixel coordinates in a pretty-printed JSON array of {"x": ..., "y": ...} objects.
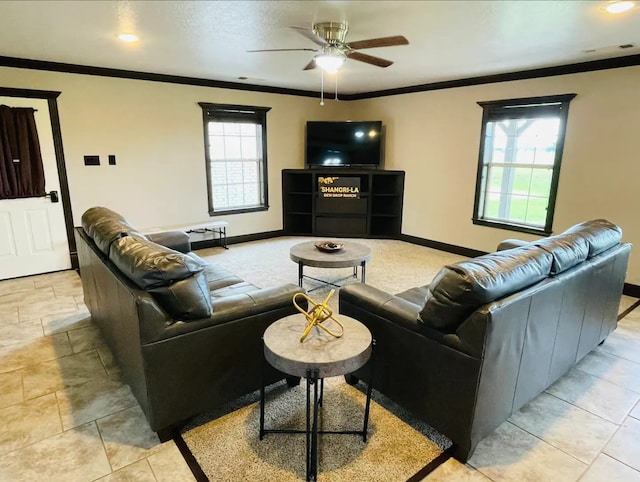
[{"x": 339, "y": 187}]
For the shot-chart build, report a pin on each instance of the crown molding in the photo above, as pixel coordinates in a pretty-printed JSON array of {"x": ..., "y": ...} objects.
[
  {"x": 152, "y": 77},
  {"x": 593, "y": 65},
  {"x": 581, "y": 67}
]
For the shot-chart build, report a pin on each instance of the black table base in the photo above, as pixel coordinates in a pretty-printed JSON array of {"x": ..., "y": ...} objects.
[{"x": 301, "y": 276}]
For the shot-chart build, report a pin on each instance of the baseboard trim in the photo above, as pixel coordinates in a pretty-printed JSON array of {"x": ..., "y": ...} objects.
[
  {"x": 449, "y": 248},
  {"x": 75, "y": 263},
  {"x": 245, "y": 238}
]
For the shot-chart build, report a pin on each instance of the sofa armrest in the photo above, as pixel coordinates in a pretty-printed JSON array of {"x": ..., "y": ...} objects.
[
  {"x": 382, "y": 304},
  {"x": 511, "y": 243},
  {"x": 178, "y": 240}
]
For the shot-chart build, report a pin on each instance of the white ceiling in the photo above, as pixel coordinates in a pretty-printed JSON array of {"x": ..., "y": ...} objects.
[{"x": 209, "y": 39}]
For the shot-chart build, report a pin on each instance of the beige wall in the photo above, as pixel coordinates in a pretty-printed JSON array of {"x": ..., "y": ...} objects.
[
  {"x": 156, "y": 132},
  {"x": 434, "y": 136}
]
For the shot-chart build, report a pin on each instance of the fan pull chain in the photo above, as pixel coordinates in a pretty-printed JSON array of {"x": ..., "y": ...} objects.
[
  {"x": 322, "y": 88},
  {"x": 336, "y": 97}
]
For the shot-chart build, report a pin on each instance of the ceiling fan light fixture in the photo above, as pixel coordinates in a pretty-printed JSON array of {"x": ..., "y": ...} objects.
[
  {"x": 330, "y": 60},
  {"x": 128, "y": 37}
]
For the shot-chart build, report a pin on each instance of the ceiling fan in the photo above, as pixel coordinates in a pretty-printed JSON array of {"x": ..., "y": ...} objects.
[{"x": 334, "y": 50}]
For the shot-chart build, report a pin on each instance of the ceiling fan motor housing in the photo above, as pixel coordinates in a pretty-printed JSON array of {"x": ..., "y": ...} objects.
[{"x": 334, "y": 33}]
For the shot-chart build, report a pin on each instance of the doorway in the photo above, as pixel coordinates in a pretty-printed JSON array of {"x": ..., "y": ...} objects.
[{"x": 36, "y": 234}]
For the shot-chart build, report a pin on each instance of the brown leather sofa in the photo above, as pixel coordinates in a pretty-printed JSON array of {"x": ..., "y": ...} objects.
[
  {"x": 491, "y": 333},
  {"x": 186, "y": 334}
]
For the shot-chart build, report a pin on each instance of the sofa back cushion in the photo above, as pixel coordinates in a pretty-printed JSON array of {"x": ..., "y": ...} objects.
[
  {"x": 458, "y": 289},
  {"x": 567, "y": 249},
  {"x": 176, "y": 280},
  {"x": 104, "y": 226},
  {"x": 600, "y": 234},
  {"x": 98, "y": 213}
]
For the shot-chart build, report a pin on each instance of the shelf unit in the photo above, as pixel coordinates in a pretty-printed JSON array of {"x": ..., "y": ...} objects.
[
  {"x": 376, "y": 213},
  {"x": 297, "y": 202}
]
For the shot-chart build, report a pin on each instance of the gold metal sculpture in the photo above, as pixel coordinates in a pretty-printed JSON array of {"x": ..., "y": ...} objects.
[{"x": 317, "y": 314}]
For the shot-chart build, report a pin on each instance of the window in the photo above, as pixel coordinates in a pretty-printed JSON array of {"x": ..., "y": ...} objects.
[
  {"x": 236, "y": 154},
  {"x": 519, "y": 163}
]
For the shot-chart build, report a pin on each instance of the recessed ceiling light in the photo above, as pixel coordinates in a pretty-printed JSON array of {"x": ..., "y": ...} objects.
[
  {"x": 128, "y": 37},
  {"x": 619, "y": 7}
]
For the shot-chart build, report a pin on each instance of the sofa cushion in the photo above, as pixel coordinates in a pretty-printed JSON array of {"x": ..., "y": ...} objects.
[
  {"x": 415, "y": 295},
  {"x": 217, "y": 276},
  {"x": 185, "y": 299},
  {"x": 600, "y": 234},
  {"x": 105, "y": 226},
  {"x": 234, "y": 289},
  {"x": 458, "y": 289},
  {"x": 98, "y": 213},
  {"x": 107, "y": 231},
  {"x": 567, "y": 249},
  {"x": 152, "y": 267}
]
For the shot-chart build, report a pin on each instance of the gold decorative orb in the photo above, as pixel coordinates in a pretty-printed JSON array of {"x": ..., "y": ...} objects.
[{"x": 317, "y": 314}]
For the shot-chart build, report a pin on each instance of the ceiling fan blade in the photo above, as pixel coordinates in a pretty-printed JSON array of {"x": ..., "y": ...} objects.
[
  {"x": 311, "y": 65},
  {"x": 282, "y": 50},
  {"x": 378, "y": 42},
  {"x": 307, "y": 32},
  {"x": 369, "y": 59}
]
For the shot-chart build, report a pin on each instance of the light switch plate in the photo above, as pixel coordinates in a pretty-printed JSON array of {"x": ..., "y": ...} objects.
[{"x": 91, "y": 160}]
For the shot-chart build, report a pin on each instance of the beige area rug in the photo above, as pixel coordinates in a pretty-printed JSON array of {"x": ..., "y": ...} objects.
[{"x": 227, "y": 446}]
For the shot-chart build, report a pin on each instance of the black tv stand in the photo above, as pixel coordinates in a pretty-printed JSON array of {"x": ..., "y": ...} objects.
[{"x": 376, "y": 211}]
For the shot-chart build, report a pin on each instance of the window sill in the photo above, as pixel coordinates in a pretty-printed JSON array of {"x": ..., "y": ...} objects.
[
  {"x": 238, "y": 211},
  {"x": 512, "y": 227}
]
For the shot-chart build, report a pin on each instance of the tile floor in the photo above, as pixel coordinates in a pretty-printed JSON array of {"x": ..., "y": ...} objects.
[
  {"x": 65, "y": 414},
  {"x": 585, "y": 427}
]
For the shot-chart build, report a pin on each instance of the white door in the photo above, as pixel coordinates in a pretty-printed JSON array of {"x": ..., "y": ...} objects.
[{"x": 33, "y": 236}]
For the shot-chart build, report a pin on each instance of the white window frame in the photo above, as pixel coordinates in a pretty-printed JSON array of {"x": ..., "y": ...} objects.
[
  {"x": 226, "y": 113},
  {"x": 518, "y": 109}
]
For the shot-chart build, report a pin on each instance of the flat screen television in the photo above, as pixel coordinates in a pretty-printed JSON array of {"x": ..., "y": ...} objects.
[{"x": 344, "y": 144}]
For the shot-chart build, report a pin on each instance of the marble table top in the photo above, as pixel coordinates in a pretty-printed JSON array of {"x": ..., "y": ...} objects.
[
  {"x": 352, "y": 254},
  {"x": 331, "y": 356}
]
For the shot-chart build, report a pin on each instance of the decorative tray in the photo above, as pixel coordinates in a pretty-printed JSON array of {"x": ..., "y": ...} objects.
[{"x": 329, "y": 246}]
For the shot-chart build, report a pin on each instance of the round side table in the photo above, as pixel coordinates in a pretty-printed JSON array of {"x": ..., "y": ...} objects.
[
  {"x": 319, "y": 356},
  {"x": 351, "y": 255}
]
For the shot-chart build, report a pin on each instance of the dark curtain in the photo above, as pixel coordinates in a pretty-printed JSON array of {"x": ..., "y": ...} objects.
[{"x": 21, "y": 169}]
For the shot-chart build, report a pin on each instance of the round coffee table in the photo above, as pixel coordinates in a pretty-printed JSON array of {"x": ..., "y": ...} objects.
[
  {"x": 352, "y": 254},
  {"x": 320, "y": 355}
]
